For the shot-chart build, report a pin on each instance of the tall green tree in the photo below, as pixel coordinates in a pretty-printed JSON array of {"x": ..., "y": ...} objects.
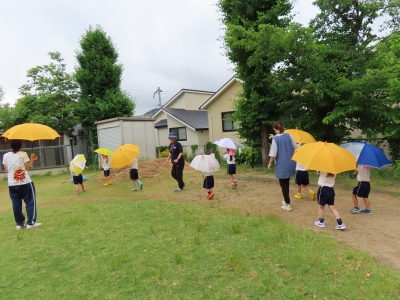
[
  {"x": 99, "y": 76},
  {"x": 49, "y": 97},
  {"x": 256, "y": 108}
]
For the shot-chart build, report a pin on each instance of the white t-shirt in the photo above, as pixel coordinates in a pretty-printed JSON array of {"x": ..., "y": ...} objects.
[
  {"x": 15, "y": 163},
  {"x": 364, "y": 173},
  {"x": 300, "y": 167},
  {"x": 325, "y": 180},
  {"x": 229, "y": 161},
  {"x": 273, "y": 151},
  {"x": 105, "y": 164},
  {"x": 135, "y": 164},
  {"x": 207, "y": 174}
]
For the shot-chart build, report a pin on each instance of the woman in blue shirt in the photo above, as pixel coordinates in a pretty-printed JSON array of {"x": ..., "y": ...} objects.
[
  {"x": 177, "y": 160},
  {"x": 282, "y": 150}
]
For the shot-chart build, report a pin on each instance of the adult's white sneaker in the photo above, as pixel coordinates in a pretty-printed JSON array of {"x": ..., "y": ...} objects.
[{"x": 33, "y": 226}]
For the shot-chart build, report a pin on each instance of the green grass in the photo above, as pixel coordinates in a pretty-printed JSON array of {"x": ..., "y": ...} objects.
[{"x": 134, "y": 249}]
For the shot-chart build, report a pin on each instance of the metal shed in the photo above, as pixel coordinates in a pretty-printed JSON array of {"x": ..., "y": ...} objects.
[{"x": 116, "y": 132}]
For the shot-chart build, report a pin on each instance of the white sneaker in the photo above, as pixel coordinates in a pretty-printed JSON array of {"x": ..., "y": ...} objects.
[
  {"x": 283, "y": 202},
  {"x": 33, "y": 226},
  {"x": 287, "y": 207},
  {"x": 19, "y": 227},
  {"x": 178, "y": 190}
]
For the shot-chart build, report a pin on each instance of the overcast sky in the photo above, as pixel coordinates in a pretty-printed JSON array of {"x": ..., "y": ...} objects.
[{"x": 171, "y": 44}]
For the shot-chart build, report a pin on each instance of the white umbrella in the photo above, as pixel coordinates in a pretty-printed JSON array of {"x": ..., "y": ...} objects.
[
  {"x": 228, "y": 143},
  {"x": 77, "y": 165},
  {"x": 205, "y": 163}
]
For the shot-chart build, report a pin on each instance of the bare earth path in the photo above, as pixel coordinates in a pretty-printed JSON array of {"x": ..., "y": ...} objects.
[{"x": 378, "y": 234}]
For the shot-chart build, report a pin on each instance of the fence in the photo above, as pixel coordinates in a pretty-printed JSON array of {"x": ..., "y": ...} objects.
[{"x": 48, "y": 157}]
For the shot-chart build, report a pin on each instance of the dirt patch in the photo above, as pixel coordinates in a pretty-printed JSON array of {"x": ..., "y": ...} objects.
[
  {"x": 147, "y": 169},
  {"x": 260, "y": 194}
]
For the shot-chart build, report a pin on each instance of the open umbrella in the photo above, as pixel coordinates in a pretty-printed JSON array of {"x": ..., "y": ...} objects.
[
  {"x": 300, "y": 136},
  {"x": 228, "y": 143},
  {"x": 367, "y": 154},
  {"x": 325, "y": 157},
  {"x": 205, "y": 163},
  {"x": 31, "y": 132},
  {"x": 124, "y": 155},
  {"x": 104, "y": 151},
  {"x": 77, "y": 164}
]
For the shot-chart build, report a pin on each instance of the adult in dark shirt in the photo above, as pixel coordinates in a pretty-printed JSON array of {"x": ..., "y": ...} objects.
[{"x": 176, "y": 158}]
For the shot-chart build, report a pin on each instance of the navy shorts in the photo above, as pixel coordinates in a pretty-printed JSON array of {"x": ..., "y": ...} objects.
[
  {"x": 326, "y": 195},
  {"x": 107, "y": 173},
  {"x": 231, "y": 169},
  {"x": 208, "y": 182},
  {"x": 78, "y": 179},
  {"x": 362, "y": 189},
  {"x": 133, "y": 174},
  {"x": 302, "y": 178}
]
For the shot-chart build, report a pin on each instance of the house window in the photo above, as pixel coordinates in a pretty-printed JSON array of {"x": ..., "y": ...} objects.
[
  {"x": 227, "y": 122},
  {"x": 180, "y": 133}
]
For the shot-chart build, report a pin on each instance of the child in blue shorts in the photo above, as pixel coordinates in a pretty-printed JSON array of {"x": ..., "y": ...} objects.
[
  {"x": 326, "y": 196},
  {"x": 303, "y": 180},
  {"x": 362, "y": 190}
]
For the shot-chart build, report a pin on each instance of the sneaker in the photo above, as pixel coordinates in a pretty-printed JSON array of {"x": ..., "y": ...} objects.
[
  {"x": 141, "y": 186},
  {"x": 319, "y": 224},
  {"x": 178, "y": 190},
  {"x": 77, "y": 192},
  {"x": 366, "y": 211},
  {"x": 283, "y": 202},
  {"x": 340, "y": 227},
  {"x": 313, "y": 195},
  {"x": 210, "y": 196},
  {"x": 107, "y": 183},
  {"x": 19, "y": 227},
  {"x": 287, "y": 207},
  {"x": 298, "y": 196},
  {"x": 233, "y": 187},
  {"x": 235, "y": 183},
  {"x": 33, "y": 226},
  {"x": 134, "y": 190},
  {"x": 355, "y": 210}
]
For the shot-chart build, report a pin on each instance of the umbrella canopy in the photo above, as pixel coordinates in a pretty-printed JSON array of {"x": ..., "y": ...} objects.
[
  {"x": 228, "y": 143},
  {"x": 124, "y": 155},
  {"x": 325, "y": 157},
  {"x": 205, "y": 163},
  {"x": 367, "y": 154},
  {"x": 77, "y": 164},
  {"x": 104, "y": 151},
  {"x": 31, "y": 132},
  {"x": 300, "y": 136}
]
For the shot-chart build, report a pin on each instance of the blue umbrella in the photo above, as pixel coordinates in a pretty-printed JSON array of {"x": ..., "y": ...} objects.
[{"x": 367, "y": 154}]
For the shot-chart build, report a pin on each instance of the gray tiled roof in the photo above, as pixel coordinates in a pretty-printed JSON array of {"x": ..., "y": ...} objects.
[
  {"x": 161, "y": 123},
  {"x": 194, "y": 118}
]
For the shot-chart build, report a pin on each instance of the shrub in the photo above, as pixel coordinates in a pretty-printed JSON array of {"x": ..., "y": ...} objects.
[
  {"x": 210, "y": 147},
  {"x": 161, "y": 149},
  {"x": 164, "y": 153},
  {"x": 249, "y": 156}
]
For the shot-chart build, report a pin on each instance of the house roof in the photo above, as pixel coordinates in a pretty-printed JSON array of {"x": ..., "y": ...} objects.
[
  {"x": 161, "y": 123},
  {"x": 176, "y": 96},
  {"x": 231, "y": 81},
  {"x": 125, "y": 119},
  {"x": 195, "y": 119}
]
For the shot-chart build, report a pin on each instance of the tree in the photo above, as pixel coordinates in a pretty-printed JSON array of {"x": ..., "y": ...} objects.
[
  {"x": 256, "y": 108},
  {"x": 49, "y": 97},
  {"x": 99, "y": 77}
]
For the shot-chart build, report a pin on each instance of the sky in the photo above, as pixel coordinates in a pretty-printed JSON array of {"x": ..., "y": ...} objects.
[{"x": 170, "y": 44}]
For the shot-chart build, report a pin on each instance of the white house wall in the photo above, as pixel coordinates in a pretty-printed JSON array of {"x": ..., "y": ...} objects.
[
  {"x": 109, "y": 137},
  {"x": 140, "y": 133},
  {"x": 195, "y": 100},
  {"x": 162, "y": 136}
]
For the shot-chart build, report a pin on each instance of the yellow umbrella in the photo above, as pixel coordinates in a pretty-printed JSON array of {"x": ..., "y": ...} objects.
[
  {"x": 300, "y": 136},
  {"x": 124, "y": 155},
  {"x": 77, "y": 164},
  {"x": 325, "y": 157},
  {"x": 31, "y": 132},
  {"x": 104, "y": 151}
]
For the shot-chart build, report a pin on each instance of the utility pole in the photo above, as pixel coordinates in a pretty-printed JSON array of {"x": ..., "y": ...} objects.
[{"x": 158, "y": 91}]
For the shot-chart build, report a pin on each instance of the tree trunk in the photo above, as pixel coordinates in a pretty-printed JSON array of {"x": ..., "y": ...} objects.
[{"x": 264, "y": 145}]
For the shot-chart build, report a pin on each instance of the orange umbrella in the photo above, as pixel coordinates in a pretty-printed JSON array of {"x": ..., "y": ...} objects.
[
  {"x": 300, "y": 136},
  {"x": 31, "y": 132},
  {"x": 325, "y": 157},
  {"x": 124, "y": 155}
]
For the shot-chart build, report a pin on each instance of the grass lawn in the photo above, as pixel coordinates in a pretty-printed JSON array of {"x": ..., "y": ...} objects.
[{"x": 101, "y": 246}]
